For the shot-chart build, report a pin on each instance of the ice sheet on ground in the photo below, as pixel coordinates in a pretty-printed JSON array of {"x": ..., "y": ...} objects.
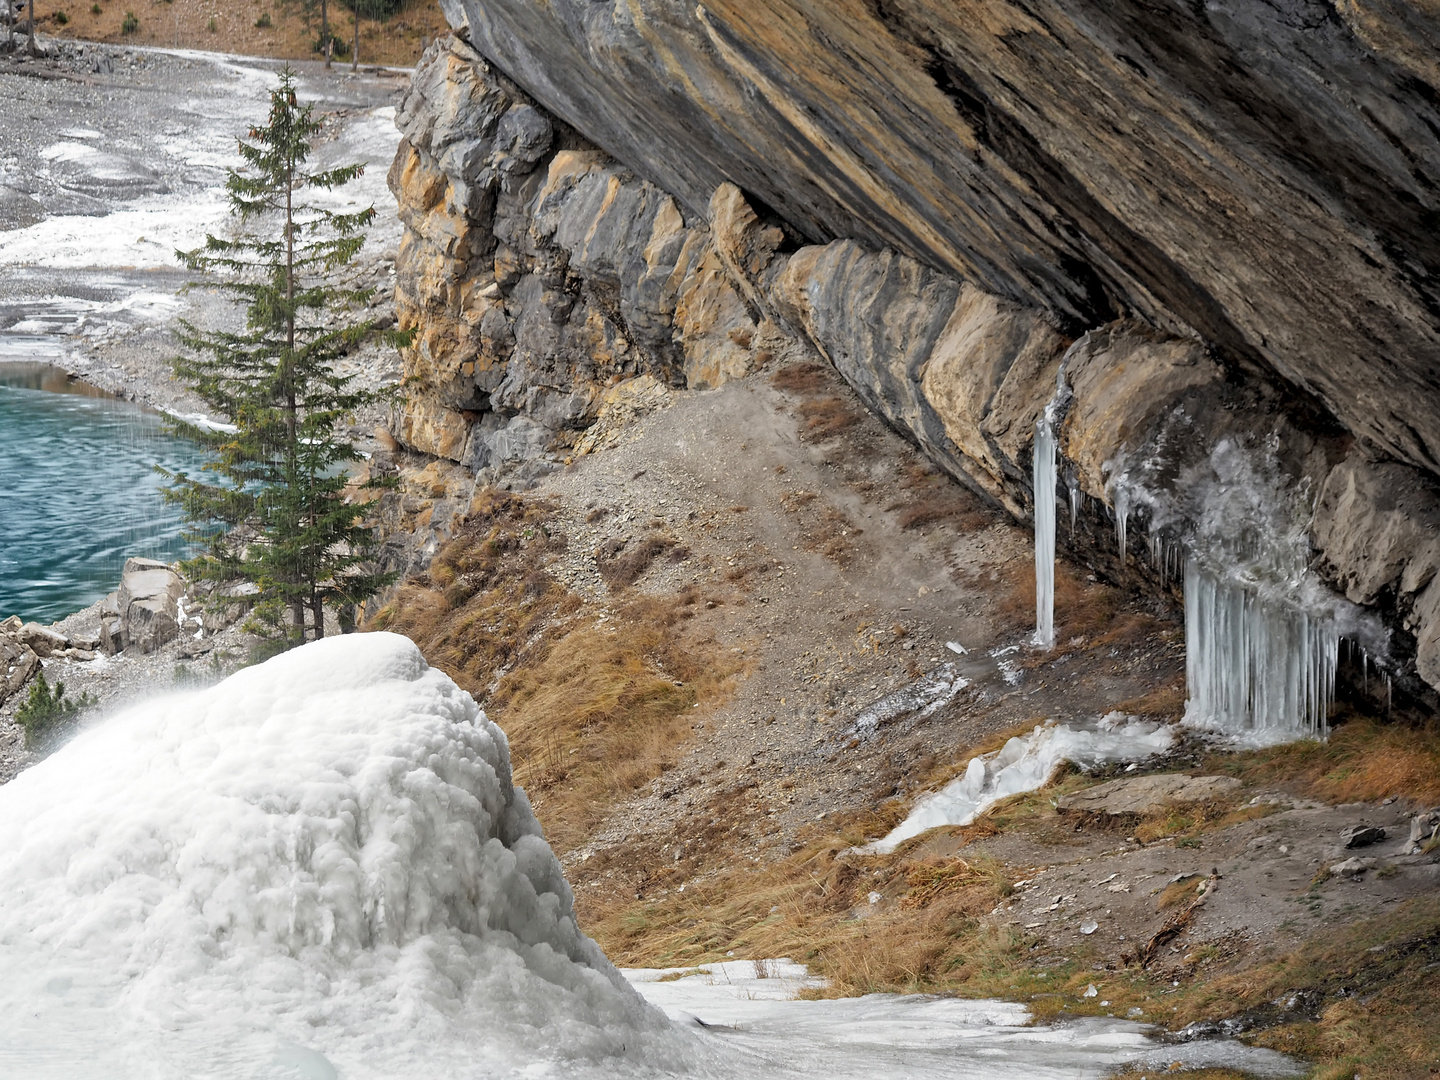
[
  {"x": 1024, "y": 764},
  {"x": 925, "y": 695},
  {"x": 322, "y": 855},
  {"x": 753, "y": 1030}
]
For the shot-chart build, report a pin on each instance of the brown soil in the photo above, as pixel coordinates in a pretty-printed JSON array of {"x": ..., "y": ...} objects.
[{"x": 271, "y": 28}]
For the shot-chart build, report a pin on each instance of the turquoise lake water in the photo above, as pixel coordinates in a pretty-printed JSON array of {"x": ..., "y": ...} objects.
[{"x": 78, "y": 491}]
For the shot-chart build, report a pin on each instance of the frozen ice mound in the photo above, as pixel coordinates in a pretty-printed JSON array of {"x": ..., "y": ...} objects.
[{"x": 319, "y": 866}]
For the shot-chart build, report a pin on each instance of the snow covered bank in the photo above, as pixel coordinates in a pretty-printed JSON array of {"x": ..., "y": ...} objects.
[
  {"x": 318, "y": 867},
  {"x": 1024, "y": 764}
]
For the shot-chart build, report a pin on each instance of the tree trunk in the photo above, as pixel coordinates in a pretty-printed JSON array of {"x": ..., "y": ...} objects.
[
  {"x": 325, "y": 31},
  {"x": 355, "y": 52},
  {"x": 30, "y": 21},
  {"x": 287, "y": 381}
]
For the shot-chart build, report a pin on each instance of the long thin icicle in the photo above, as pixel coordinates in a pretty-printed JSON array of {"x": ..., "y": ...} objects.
[{"x": 1044, "y": 479}]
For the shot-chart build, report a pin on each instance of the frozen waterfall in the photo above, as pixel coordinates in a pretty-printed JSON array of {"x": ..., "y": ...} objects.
[{"x": 1045, "y": 478}]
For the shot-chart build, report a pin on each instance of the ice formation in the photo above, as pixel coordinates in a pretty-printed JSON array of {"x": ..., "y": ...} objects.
[
  {"x": 925, "y": 696},
  {"x": 1045, "y": 477},
  {"x": 1262, "y": 632},
  {"x": 1256, "y": 667},
  {"x": 1025, "y": 764},
  {"x": 1044, "y": 534},
  {"x": 318, "y": 867}
]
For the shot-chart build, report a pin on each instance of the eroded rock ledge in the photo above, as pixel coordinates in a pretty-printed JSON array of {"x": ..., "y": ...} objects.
[{"x": 553, "y": 285}]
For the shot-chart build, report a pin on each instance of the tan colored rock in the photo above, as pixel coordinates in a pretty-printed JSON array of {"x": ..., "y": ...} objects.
[
  {"x": 1125, "y": 378},
  {"x": 620, "y": 406},
  {"x": 148, "y": 599},
  {"x": 986, "y": 379},
  {"x": 745, "y": 246},
  {"x": 1377, "y": 525},
  {"x": 18, "y": 672},
  {"x": 715, "y": 326},
  {"x": 42, "y": 639},
  {"x": 111, "y": 639},
  {"x": 424, "y": 424},
  {"x": 1140, "y": 795}
]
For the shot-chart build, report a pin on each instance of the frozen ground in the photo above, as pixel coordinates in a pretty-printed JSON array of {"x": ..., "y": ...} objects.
[
  {"x": 320, "y": 868},
  {"x": 747, "y": 1017}
]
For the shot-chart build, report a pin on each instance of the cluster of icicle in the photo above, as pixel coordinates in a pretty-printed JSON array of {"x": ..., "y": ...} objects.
[
  {"x": 1255, "y": 666},
  {"x": 1262, "y": 636}
]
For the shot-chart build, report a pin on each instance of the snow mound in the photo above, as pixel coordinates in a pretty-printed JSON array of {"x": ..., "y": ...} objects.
[
  {"x": 1025, "y": 764},
  {"x": 318, "y": 867}
]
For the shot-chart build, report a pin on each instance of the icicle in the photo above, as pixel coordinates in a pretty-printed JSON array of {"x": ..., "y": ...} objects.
[
  {"x": 1045, "y": 475},
  {"x": 1044, "y": 480},
  {"x": 1254, "y": 664},
  {"x": 1122, "y": 520},
  {"x": 1074, "y": 489}
]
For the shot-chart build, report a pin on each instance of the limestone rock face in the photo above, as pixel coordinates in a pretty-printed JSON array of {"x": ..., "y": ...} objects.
[
  {"x": 1261, "y": 175},
  {"x": 1053, "y": 206},
  {"x": 539, "y": 271}
]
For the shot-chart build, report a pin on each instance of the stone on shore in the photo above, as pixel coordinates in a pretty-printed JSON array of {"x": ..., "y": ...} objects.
[{"x": 144, "y": 612}]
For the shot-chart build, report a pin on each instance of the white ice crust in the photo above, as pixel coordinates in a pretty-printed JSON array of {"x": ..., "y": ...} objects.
[
  {"x": 318, "y": 867},
  {"x": 1024, "y": 764}
]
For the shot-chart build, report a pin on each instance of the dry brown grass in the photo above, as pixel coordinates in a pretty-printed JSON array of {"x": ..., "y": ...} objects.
[
  {"x": 805, "y": 907},
  {"x": 929, "y": 497},
  {"x": 804, "y": 378},
  {"x": 606, "y": 709},
  {"x": 187, "y": 24},
  {"x": 1364, "y": 760},
  {"x": 1091, "y": 611},
  {"x": 825, "y": 418},
  {"x": 1377, "y": 1014},
  {"x": 824, "y": 414},
  {"x": 592, "y": 710}
]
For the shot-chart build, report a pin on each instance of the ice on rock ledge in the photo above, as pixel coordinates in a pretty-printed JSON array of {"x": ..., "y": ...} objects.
[{"x": 321, "y": 859}]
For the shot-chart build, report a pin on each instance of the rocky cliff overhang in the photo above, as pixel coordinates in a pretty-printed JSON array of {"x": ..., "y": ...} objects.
[
  {"x": 1215, "y": 219},
  {"x": 1264, "y": 174}
]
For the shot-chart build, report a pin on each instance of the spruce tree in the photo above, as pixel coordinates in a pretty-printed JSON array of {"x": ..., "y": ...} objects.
[{"x": 272, "y": 510}]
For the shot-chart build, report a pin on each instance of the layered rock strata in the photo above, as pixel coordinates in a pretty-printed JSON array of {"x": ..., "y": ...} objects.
[
  {"x": 551, "y": 283},
  {"x": 540, "y": 274}
]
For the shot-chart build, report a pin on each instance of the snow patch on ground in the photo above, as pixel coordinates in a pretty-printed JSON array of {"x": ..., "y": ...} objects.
[
  {"x": 744, "y": 1013},
  {"x": 1024, "y": 764}
]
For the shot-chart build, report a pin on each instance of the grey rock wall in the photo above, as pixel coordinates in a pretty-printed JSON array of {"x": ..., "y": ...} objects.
[
  {"x": 1264, "y": 174},
  {"x": 551, "y": 282}
]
